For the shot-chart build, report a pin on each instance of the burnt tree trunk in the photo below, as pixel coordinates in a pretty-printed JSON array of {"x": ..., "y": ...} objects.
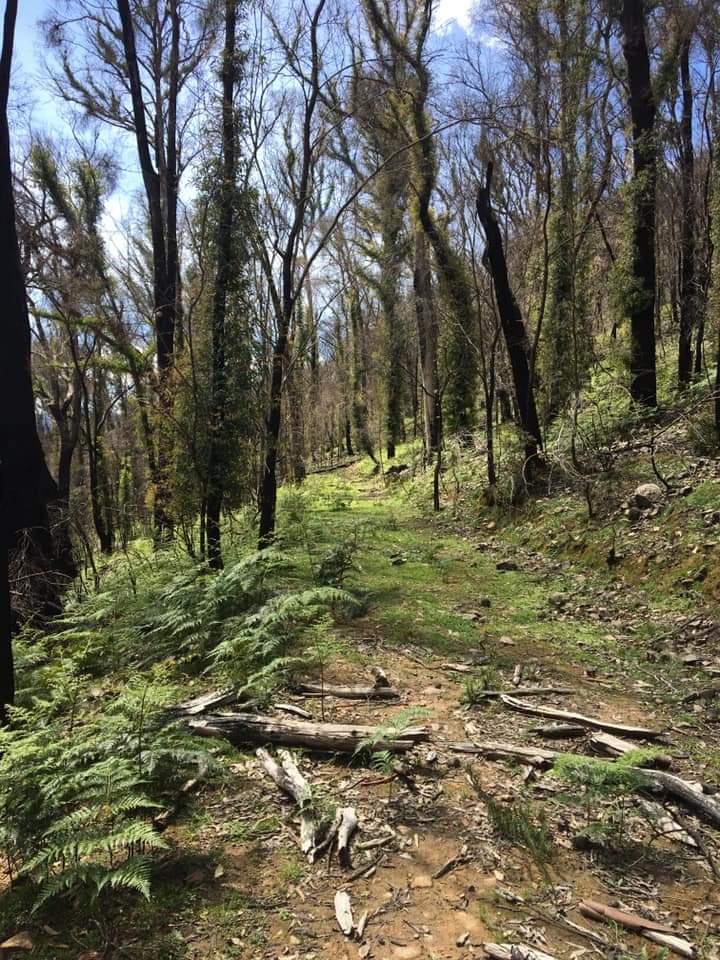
[
  {"x": 162, "y": 210},
  {"x": 511, "y": 321},
  {"x": 688, "y": 300},
  {"x": 285, "y": 302},
  {"x": 25, "y": 483},
  {"x": 216, "y": 460},
  {"x": 643, "y": 384}
]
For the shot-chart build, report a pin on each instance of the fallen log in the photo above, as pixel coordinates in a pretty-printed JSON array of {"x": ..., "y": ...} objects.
[
  {"x": 209, "y": 701},
  {"x": 514, "y": 951},
  {"x": 495, "y": 750},
  {"x": 642, "y": 733},
  {"x": 243, "y": 728},
  {"x": 559, "y": 731},
  {"x": 611, "y": 746},
  {"x": 289, "y": 779},
  {"x": 346, "y": 693},
  {"x": 659, "y": 933},
  {"x": 703, "y": 806}
]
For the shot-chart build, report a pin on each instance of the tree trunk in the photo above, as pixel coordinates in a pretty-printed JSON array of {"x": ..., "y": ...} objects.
[
  {"x": 25, "y": 483},
  {"x": 511, "y": 322},
  {"x": 164, "y": 252},
  {"x": 216, "y": 460},
  {"x": 427, "y": 341},
  {"x": 643, "y": 385},
  {"x": 688, "y": 300}
]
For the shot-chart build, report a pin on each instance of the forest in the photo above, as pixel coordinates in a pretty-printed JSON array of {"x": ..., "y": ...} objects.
[{"x": 360, "y": 479}]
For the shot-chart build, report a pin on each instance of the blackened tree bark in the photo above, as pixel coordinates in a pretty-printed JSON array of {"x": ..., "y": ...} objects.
[
  {"x": 25, "y": 483},
  {"x": 643, "y": 383},
  {"x": 161, "y": 194},
  {"x": 225, "y": 224},
  {"x": 511, "y": 321},
  {"x": 688, "y": 298},
  {"x": 284, "y": 299}
]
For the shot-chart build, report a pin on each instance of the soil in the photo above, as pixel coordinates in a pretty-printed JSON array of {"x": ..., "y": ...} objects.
[{"x": 497, "y": 892}]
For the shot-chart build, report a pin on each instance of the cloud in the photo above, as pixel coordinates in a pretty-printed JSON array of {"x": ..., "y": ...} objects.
[{"x": 454, "y": 10}]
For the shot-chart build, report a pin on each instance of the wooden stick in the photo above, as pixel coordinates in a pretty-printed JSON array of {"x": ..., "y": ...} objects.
[
  {"x": 514, "y": 951},
  {"x": 348, "y": 826},
  {"x": 346, "y": 693},
  {"x": 529, "y": 692},
  {"x": 657, "y": 932},
  {"x": 643, "y": 733}
]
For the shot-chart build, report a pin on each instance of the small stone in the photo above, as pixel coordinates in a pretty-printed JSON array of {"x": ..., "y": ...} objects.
[
  {"x": 646, "y": 495},
  {"x": 421, "y": 881},
  {"x": 462, "y": 939}
]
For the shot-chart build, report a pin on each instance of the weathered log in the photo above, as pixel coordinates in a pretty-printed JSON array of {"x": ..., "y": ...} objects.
[
  {"x": 560, "y": 731},
  {"x": 346, "y": 693},
  {"x": 287, "y": 776},
  {"x": 348, "y": 826},
  {"x": 594, "y": 723},
  {"x": 495, "y": 750},
  {"x": 611, "y": 746},
  {"x": 209, "y": 701},
  {"x": 680, "y": 789},
  {"x": 242, "y": 728}
]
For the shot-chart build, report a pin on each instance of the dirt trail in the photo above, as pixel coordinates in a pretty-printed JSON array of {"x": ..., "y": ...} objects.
[{"x": 499, "y": 892}]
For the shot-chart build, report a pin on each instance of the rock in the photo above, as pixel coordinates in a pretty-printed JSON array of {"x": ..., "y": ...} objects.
[
  {"x": 462, "y": 939},
  {"x": 20, "y": 941},
  {"x": 421, "y": 881},
  {"x": 505, "y": 565},
  {"x": 646, "y": 495}
]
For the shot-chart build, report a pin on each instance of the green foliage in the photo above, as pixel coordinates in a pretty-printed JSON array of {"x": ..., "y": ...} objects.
[
  {"x": 603, "y": 779},
  {"x": 598, "y": 781},
  {"x": 518, "y": 824},
  {"x": 262, "y": 641},
  {"x": 476, "y": 686},
  {"x": 77, "y": 795},
  {"x": 390, "y": 730},
  {"x": 337, "y": 563}
]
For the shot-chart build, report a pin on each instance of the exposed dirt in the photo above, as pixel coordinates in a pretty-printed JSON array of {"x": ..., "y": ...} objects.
[{"x": 498, "y": 893}]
